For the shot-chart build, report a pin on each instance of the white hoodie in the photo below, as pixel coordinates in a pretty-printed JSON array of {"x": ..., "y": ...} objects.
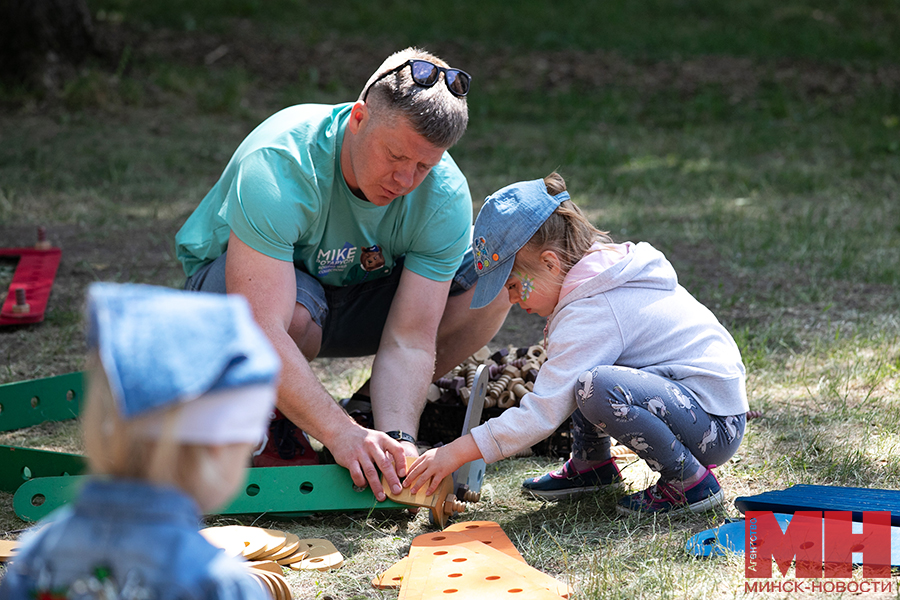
[{"x": 633, "y": 314}]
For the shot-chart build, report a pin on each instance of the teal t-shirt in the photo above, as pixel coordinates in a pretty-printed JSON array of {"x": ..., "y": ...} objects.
[{"x": 284, "y": 195}]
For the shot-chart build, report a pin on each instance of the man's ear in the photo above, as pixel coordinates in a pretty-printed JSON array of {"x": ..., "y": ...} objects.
[
  {"x": 359, "y": 115},
  {"x": 550, "y": 260}
]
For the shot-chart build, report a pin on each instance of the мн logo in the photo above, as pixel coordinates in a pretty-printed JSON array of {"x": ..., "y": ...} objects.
[{"x": 821, "y": 544}]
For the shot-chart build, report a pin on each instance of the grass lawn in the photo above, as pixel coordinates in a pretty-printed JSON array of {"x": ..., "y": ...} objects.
[{"x": 757, "y": 144}]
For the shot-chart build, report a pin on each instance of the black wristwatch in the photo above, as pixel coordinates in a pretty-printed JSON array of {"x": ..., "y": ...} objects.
[{"x": 401, "y": 436}]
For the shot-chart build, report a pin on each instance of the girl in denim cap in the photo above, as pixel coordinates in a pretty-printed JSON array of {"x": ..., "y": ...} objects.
[
  {"x": 631, "y": 354},
  {"x": 181, "y": 386}
]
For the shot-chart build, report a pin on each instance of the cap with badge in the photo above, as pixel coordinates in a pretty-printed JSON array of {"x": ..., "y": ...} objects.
[
  {"x": 508, "y": 219},
  {"x": 161, "y": 347}
]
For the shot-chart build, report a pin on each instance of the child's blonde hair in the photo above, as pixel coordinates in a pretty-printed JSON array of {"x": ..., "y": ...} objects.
[
  {"x": 567, "y": 232},
  {"x": 117, "y": 448}
]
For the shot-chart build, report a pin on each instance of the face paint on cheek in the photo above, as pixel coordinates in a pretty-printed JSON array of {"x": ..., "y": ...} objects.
[{"x": 527, "y": 285}]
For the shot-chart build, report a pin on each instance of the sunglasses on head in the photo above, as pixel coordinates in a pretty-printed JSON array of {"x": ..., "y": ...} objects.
[{"x": 426, "y": 74}]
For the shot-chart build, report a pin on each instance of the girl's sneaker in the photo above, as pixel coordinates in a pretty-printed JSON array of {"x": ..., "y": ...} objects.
[
  {"x": 663, "y": 497},
  {"x": 567, "y": 482}
]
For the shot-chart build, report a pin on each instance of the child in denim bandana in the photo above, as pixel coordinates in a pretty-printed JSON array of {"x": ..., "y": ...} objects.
[
  {"x": 631, "y": 355},
  {"x": 181, "y": 387}
]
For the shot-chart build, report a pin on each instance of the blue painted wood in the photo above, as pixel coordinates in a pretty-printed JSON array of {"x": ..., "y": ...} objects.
[{"x": 825, "y": 497}]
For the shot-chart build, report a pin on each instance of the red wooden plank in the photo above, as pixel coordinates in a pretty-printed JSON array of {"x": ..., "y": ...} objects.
[{"x": 34, "y": 273}]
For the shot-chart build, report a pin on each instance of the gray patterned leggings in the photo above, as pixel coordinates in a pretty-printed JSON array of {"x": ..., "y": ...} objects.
[{"x": 656, "y": 417}]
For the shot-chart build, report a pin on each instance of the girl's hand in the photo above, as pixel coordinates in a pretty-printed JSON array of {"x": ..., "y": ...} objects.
[
  {"x": 437, "y": 463},
  {"x": 430, "y": 468}
]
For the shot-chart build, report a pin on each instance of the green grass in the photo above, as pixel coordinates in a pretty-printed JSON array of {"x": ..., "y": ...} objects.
[{"x": 756, "y": 143}]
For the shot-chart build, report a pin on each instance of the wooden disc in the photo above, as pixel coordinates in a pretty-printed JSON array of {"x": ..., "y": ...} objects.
[
  {"x": 8, "y": 549},
  {"x": 323, "y": 556},
  {"x": 238, "y": 540},
  {"x": 292, "y": 544},
  {"x": 266, "y": 565}
]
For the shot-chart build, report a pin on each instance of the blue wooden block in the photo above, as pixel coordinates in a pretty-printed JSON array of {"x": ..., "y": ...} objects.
[{"x": 825, "y": 497}]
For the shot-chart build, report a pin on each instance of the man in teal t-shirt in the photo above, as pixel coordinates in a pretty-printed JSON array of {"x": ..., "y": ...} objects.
[{"x": 347, "y": 228}]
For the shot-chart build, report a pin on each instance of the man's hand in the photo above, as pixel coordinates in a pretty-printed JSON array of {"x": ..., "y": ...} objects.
[{"x": 365, "y": 452}]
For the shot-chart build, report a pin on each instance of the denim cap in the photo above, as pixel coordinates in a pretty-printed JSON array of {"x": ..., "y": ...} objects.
[
  {"x": 162, "y": 347},
  {"x": 506, "y": 222}
]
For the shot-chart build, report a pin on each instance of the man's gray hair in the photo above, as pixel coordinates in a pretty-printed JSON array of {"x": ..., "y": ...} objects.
[{"x": 434, "y": 113}]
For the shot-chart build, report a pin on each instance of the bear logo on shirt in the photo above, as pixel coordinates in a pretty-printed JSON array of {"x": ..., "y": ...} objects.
[{"x": 371, "y": 258}]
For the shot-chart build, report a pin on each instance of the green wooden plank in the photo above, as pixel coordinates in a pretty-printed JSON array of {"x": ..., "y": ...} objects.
[
  {"x": 27, "y": 403},
  {"x": 18, "y": 465},
  {"x": 282, "y": 491}
]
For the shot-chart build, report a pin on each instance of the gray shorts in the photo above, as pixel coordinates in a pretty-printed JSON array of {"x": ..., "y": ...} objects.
[{"x": 352, "y": 318}]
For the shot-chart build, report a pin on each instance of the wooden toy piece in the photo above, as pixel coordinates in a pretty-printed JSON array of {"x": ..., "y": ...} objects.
[
  {"x": 487, "y": 532},
  {"x": 470, "y": 375},
  {"x": 42, "y": 242},
  {"x": 323, "y": 556},
  {"x": 621, "y": 451},
  {"x": 290, "y": 548},
  {"x": 275, "y": 583},
  {"x": 464, "y": 395},
  {"x": 8, "y": 549},
  {"x": 266, "y": 565},
  {"x": 518, "y": 388},
  {"x": 299, "y": 554},
  {"x": 458, "y": 571},
  {"x": 238, "y": 540},
  {"x": 537, "y": 354},
  {"x": 34, "y": 275},
  {"x": 21, "y": 306},
  {"x": 454, "y": 561},
  {"x": 433, "y": 394},
  {"x": 442, "y": 504},
  {"x": 490, "y": 554},
  {"x": 506, "y": 399},
  {"x": 275, "y": 542},
  {"x": 481, "y": 356},
  {"x": 803, "y": 497}
]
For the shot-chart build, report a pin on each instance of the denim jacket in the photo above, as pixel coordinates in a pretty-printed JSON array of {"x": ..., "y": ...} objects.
[{"x": 125, "y": 540}]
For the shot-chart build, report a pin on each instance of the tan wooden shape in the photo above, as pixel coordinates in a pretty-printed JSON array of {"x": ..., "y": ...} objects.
[
  {"x": 457, "y": 571},
  {"x": 8, "y": 549},
  {"x": 323, "y": 556}
]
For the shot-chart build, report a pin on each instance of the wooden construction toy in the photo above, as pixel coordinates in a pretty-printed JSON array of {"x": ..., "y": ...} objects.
[
  {"x": 443, "y": 503},
  {"x": 322, "y": 556},
  {"x": 8, "y": 549},
  {"x": 29, "y": 290},
  {"x": 451, "y": 562},
  {"x": 485, "y": 532}
]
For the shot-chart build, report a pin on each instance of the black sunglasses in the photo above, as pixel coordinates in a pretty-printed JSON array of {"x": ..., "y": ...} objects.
[{"x": 426, "y": 74}]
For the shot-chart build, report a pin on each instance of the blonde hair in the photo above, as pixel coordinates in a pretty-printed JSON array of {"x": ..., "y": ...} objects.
[
  {"x": 116, "y": 448},
  {"x": 434, "y": 113},
  {"x": 567, "y": 232}
]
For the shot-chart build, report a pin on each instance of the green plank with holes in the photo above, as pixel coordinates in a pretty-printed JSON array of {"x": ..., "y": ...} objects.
[
  {"x": 27, "y": 403},
  {"x": 276, "y": 491},
  {"x": 18, "y": 465}
]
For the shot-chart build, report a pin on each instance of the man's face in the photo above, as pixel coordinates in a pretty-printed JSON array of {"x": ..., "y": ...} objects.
[{"x": 383, "y": 159}]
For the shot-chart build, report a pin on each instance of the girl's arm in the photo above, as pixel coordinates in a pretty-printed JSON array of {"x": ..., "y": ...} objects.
[{"x": 437, "y": 463}]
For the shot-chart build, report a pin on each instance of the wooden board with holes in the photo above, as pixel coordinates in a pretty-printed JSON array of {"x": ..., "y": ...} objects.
[
  {"x": 426, "y": 547},
  {"x": 463, "y": 573},
  {"x": 486, "y": 532}
]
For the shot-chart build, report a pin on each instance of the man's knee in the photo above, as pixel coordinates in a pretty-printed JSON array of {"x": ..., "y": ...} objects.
[{"x": 305, "y": 333}]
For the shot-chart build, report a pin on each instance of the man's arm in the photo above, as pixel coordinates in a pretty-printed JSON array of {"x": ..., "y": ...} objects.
[
  {"x": 270, "y": 287},
  {"x": 404, "y": 364}
]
